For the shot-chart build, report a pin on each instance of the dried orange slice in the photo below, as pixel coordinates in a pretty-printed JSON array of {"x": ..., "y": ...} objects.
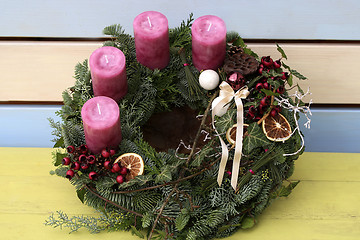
[
  {"x": 231, "y": 133},
  {"x": 276, "y": 128},
  {"x": 133, "y": 162}
]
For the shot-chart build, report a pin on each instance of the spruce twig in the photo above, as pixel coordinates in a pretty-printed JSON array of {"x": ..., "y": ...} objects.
[{"x": 194, "y": 87}]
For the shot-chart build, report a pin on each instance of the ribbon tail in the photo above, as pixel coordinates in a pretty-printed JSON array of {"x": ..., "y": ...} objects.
[
  {"x": 223, "y": 100},
  {"x": 238, "y": 143},
  {"x": 224, "y": 158}
]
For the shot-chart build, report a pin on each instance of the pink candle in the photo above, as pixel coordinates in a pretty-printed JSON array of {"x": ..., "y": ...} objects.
[
  {"x": 151, "y": 34},
  {"x": 208, "y": 42},
  {"x": 108, "y": 73},
  {"x": 101, "y": 120}
]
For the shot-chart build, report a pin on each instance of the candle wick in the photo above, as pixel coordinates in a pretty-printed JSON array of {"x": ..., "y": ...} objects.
[
  {"x": 98, "y": 107},
  {"x": 148, "y": 18},
  {"x": 209, "y": 27},
  {"x": 106, "y": 59}
]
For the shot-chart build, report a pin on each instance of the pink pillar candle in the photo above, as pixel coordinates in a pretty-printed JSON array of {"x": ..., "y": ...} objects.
[
  {"x": 101, "y": 120},
  {"x": 108, "y": 73},
  {"x": 208, "y": 42},
  {"x": 151, "y": 34}
]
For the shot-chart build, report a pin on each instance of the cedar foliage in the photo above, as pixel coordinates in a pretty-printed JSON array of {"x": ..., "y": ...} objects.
[{"x": 195, "y": 208}]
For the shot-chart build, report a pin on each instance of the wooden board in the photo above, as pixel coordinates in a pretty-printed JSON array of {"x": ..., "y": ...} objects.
[
  {"x": 261, "y": 19},
  {"x": 40, "y": 71},
  {"x": 323, "y": 206}
]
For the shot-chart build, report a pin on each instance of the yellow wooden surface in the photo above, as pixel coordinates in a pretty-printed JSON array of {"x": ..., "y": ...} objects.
[
  {"x": 40, "y": 71},
  {"x": 325, "y": 205}
]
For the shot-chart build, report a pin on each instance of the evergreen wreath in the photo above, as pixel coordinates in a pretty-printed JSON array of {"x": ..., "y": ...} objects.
[{"x": 178, "y": 197}]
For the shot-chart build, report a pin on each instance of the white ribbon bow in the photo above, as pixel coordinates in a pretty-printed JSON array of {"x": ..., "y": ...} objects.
[{"x": 219, "y": 108}]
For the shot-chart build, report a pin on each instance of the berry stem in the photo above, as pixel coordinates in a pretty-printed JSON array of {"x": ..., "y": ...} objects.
[{"x": 267, "y": 114}]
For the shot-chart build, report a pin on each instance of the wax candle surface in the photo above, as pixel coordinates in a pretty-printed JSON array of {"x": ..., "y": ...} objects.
[
  {"x": 108, "y": 72},
  {"x": 101, "y": 120},
  {"x": 208, "y": 42},
  {"x": 151, "y": 34}
]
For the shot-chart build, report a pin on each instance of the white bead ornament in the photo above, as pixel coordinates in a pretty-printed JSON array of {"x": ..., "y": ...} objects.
[{"x": 209, "y": 79}]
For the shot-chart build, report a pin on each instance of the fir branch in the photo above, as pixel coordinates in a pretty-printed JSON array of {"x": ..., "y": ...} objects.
[{"x": 90, "y": 189}]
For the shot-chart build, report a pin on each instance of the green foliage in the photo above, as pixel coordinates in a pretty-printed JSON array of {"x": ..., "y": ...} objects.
[
  {"x": 205, "y": 151},
  {"x": 58, "y": 157},
  {"x": 255, "y": 139},
  {"x": 180, "y": 37},
  {"x": 248, "y": 222},
  {"x": 285, "y": 191},
  {"x": 110, "y": 221},
  {"x": 226, "y": 121},
  {"x": 182, "y": 219},
  {"x": 250, "y": 190},
  {"x": 280, "y": 50}
]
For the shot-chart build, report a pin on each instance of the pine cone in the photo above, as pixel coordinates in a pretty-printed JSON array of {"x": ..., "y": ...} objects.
[
  {"x": 234, "y": 50},
  {"x": 241, "y": 62}
]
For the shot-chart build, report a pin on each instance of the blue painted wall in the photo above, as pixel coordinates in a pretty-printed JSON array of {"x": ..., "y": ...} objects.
[
  {"x": 261, "y": 19},
  {"x": 331, "y": 130}
]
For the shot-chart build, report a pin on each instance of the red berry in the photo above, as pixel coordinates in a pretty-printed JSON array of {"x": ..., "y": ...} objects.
[
  {"x": 259, "y": 86},
  {"x": 70, "y": 174},
  {"x": 105, "y": 153},
  {"x": 261, "y": 70},
  {"x": 250, "y": 115},
  {"x": 116, "y": 167},
  {"x": 75, "y": 166},
  {"x": 284, "y": 75},
  {"x": 66, "y": 161},
  {"x": 70, "y": 149},
  {"x": 264, "y": 80},
  {"x": 91, "y": 159},
  {"x": 112, "y": 152},
  {"x": 273, "y": 112},
  {"x": 84, "y": 166},
  {"x": 252, "y": 109},
  {"x": 123, "y": 171},
  {"x": 266, "y": 85},
  {"x": 264, "y": 101},
  {"x": 93, "y": 175},
  {"x": 267, "y": 61},
  {"x": 280, "y": 90},
  {"x": 82, "y": 158},
  {"x": 277, "y": 64},
  {"x": 107, "y": 165},
  {"x": 83, "y": 149},
  {"x": 120, "y": 179}
]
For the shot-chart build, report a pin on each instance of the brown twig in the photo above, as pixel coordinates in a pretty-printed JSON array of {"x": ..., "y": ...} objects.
[
  {"x": 202, "y": 124},
  {"x": 160, "y": 212},
  {"x": 169, "y": 183}
]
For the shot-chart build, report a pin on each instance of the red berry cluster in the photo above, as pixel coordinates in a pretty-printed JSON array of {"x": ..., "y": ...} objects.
[
  {"x": 81, "y": 159},
  {"x": 270, "y": 71}
]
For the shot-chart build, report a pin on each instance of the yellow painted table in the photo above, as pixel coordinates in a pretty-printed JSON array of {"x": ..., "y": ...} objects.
[{"x": 325, "y": 205}]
